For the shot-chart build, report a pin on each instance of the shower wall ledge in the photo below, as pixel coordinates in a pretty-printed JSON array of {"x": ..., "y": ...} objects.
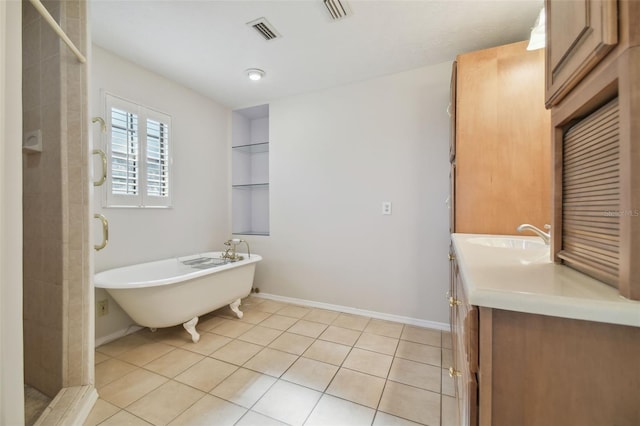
[{"x": 71, "y": 406}]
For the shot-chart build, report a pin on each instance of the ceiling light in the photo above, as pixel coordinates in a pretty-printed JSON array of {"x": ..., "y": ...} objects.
[
  {"x": 255, "y": 74},
  {"x": 537, "y": 40}
]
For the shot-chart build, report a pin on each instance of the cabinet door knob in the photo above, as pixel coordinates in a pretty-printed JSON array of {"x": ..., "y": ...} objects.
[
  {"x": 454, "y": 373},
  {"x": 453, "y": 301}
]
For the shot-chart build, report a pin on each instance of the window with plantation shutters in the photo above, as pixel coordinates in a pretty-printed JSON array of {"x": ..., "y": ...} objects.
[
  {"x": 138, "y": 150},
  {"x": 591, "y": 195}
]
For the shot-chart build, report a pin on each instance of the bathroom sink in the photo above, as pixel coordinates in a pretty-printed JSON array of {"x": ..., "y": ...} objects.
[{"x": 508, "y": 242}]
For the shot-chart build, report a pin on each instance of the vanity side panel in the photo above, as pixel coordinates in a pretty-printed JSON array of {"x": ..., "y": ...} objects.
[{"x": 557, "y": 371}]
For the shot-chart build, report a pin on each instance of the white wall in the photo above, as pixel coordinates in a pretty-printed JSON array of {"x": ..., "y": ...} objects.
[
  {"x": 11, "y": 364},
  {"x": 199, "y": 220},
  {"x": 335, "y": 156}
]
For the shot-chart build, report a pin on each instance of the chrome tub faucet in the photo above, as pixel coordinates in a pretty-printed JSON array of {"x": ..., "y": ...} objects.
[{"x": 231, "y": 254}]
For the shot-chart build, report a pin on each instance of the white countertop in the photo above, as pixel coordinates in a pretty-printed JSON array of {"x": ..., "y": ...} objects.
[{"x": 526, "y": 280}]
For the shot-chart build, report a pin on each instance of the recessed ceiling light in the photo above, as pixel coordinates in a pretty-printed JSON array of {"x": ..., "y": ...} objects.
[{"x": 255, "y": 74}]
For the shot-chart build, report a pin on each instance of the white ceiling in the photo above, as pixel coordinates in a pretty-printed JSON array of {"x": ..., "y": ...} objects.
[{"x": 206, "y": 45}]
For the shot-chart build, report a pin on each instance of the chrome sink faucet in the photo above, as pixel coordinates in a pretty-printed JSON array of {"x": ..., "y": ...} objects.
[{"x": 546, "y": 236}]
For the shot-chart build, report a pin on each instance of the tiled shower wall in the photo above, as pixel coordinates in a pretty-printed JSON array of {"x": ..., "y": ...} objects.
[{"x": 55, "y": 199}]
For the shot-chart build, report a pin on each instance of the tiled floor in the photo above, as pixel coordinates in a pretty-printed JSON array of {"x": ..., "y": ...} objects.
[{"x": 280, "y": 364}]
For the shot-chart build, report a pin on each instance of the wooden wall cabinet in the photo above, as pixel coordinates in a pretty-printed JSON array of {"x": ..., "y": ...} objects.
[
  {"x": 580, "y": 34},
  {"x": 616, "y": 75},
  {"x": 501, "y": 148}
]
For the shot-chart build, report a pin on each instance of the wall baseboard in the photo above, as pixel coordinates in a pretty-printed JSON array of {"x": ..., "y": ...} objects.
[
  {"x": 349, "y": 310},
  {"x": 117, "y": 334}
]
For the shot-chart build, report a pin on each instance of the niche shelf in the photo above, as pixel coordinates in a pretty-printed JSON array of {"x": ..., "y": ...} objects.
[{"x": 250, "y": 171}]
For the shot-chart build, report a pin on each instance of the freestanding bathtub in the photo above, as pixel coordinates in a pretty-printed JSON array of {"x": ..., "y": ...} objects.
[{"x": 177, "y": 291}]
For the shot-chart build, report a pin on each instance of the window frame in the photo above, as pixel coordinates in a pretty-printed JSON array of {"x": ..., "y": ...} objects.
[{"x": 142, "y": 199}]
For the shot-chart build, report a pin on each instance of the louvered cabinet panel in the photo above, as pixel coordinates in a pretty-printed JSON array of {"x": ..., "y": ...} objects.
[{"x": 591, "y": 194}]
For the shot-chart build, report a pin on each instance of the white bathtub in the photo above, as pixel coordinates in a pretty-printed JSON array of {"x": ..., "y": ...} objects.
[{"x": 177, "y": 291}]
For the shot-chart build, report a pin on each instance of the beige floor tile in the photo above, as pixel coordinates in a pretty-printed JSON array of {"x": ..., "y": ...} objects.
[
  {"x": 174, "y": 336},
  {"x": 357, "y": 387},
  {"x": 254, "y": 316},
  {"x": 384, "y": 328},
  {"x": 231, "y": 329},
  {"x": 256, "y": 419},
  {"x": 110, "y": 370},
  {"x": 308, "y": 328},
  {"x": 174, "y": 363},
  {"x": 206, "y": 374},
  {"x": 329, "y": 352},
  {"x": 292, "y": 343},
  {"x": 384, "y": 419},
  {"x": 279, "y": 322},
  {"x": 335, "y": 411},
  {"x": 340, "y": 335},
  {"x": 411, "y": 403},
  {"x": 122, "y": 345},
  {"x": 353, "y": 322},
  {"x": 125, "y": 390},
  {"x": 210, "y": 411},
  {"x": 146, "y": 353},
  {"x": 237, "y": 352},
  {"x": 210, "y": 323},
  {"x": 373, "y": 363},
  {"x": 270, "y": 361},
  {"x": 101, "y": 411},
  {"x": 447, "y": 358},
  {"x": 447, "y": 343},
  {"x": 321, "y": 315},
  {"x": 123, "y": 418},
  {"x": 100, "y": 357},
  {"x": 287, "y": 402},
  {"x": 448, "y": 383},
  {"x": 311, "y": 373},
  {"x": 373, "y": 342},
  {"x": 425, "y": 336},
  {"x": 270, "y": 306},
  {"x": 413, "y": 373},
  {"x": 419, "y": 352},
  {"x": 244, "y": 387},
  {"x": 449, "y": 411},
  {"x": 294, "y": 311},
  {"x": 207, "y": 344},
  {"x": 260, "y": 335},
  {"x": 165, "y": 403}
]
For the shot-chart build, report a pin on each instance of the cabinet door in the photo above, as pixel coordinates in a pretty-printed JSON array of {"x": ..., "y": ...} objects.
[{"x": 579, "y": 35}]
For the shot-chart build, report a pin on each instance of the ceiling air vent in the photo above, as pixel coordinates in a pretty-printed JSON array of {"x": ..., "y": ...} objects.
[
  {"x": 336, "y": 8},
  {"x": 264, "y": 28}
]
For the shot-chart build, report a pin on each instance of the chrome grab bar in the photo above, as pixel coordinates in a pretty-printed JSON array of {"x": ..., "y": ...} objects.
[
  {"x": 103, "y": 156},
  {"x": 105, "y": 231}
]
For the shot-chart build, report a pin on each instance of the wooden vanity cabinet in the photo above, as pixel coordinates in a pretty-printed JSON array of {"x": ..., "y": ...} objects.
[
  {"x": 516, "y": 368},
  {"x": 464, "y": 333},
  {"x": 544, "y": 370}
]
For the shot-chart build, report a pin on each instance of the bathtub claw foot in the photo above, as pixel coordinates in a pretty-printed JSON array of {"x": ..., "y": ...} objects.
[
  {"x": 234, "y": 306},
  {"x": 190, "y": 326},
  {"x": 153, "y": 329}
]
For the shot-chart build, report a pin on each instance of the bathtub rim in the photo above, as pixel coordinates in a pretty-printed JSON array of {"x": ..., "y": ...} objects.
[{"x": 102, "y": 279}]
